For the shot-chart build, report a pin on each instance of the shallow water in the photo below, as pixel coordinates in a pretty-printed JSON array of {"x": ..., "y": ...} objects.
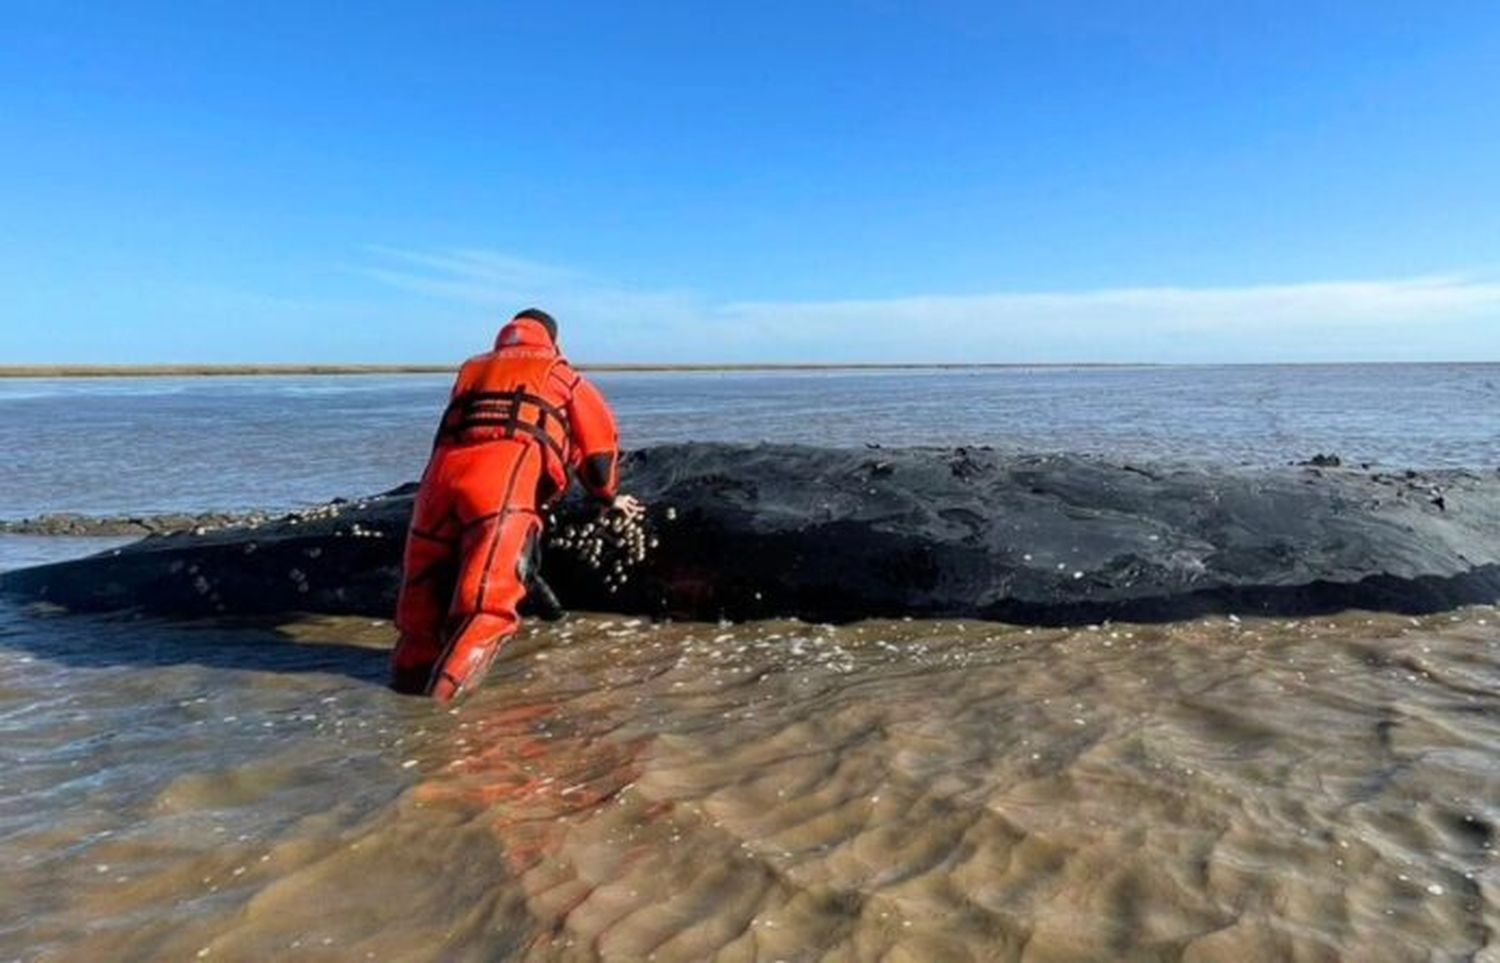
[
  {"x": 22, "y": 551},
  {"x": 1214, "y": 790},
  {"x": 121, "y": 446}
]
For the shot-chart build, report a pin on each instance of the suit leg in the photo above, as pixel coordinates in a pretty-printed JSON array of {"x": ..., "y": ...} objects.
[
  {"x": 429, "y": 573},
  {"x": 492, "y": 584}
]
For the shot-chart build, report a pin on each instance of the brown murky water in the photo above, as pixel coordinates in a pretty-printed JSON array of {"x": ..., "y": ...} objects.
[{"x": 924, "y": 791}]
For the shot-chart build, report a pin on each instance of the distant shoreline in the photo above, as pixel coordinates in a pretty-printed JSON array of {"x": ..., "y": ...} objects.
[
  {"x": 274, "y": 370},
  {"x": 271, "y": 370}
]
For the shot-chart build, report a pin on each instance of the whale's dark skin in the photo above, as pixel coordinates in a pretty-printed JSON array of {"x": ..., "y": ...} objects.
[{"x": 841, "y": 534}]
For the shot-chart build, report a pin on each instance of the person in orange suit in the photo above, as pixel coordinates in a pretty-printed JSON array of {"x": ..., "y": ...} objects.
[{"x": 520, "y": 421}]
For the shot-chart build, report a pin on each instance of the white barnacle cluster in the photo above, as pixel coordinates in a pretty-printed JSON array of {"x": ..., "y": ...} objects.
[
  {"x": 317, "y": 513},
  {"x": 330, "y": 510},
  {"x": 614, "y": 546},
  {"x": 356, "y": 530},
  {"x": 201, "y": 584}
]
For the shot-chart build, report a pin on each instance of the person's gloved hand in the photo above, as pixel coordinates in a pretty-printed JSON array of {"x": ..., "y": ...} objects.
[{"x": 629, "y": 506}]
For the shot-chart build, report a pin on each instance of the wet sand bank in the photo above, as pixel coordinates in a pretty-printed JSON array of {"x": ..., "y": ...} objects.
[{"x": 1206, "y": 790}]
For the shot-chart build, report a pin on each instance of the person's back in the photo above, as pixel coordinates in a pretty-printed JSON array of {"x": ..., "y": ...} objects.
[{"x": 519, "y": 420}]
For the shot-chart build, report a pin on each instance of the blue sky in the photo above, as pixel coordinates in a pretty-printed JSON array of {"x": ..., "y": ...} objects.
[{"x": 839, "y": 181}]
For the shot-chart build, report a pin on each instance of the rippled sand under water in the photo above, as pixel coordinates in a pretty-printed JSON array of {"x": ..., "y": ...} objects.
[{"x": 924, "y": 791}]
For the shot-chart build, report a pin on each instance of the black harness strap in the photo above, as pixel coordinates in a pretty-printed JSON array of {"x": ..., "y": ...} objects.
[
  {"x": 511, "y": 428},
  {"x": 504, "y": 411},
  {"x": 515, "y": 398}
]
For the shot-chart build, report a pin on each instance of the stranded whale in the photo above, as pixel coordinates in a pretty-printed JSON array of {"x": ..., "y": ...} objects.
[{"x": 738, "y": 531}]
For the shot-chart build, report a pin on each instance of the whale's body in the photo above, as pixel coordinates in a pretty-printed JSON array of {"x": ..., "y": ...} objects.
[{"x": 839, "y": 534}]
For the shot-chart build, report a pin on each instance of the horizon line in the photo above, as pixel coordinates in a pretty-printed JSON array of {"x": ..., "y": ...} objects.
[{"x": 348, "y": 369}]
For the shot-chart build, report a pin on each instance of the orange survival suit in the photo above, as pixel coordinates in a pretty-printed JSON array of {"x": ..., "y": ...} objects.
[{"x": 520, "y": 419}]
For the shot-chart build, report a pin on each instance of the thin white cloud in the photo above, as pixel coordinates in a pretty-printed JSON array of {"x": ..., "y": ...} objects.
[
  {"x": 476, "y": 276},
  {"x": 1317, "y": 306},
  {"x": 499, "y": 282},
  {"x": 1388, "y": 319}
]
